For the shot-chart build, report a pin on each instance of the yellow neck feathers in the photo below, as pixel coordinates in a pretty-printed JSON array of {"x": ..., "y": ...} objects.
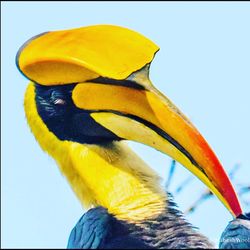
[{"x": 111, "y": 176}]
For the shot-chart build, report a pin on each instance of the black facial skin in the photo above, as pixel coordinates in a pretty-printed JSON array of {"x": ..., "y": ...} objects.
[{"x": 57, "y": 110}]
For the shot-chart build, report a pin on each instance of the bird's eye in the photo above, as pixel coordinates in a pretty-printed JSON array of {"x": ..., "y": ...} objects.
[{"x": 59, "y": 102}]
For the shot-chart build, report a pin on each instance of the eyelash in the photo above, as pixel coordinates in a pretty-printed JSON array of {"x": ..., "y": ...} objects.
[{"x": 59, "y": 101}]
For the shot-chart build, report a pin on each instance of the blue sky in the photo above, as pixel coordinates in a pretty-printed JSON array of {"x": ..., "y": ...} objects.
[{"x": 202, "y": 66}]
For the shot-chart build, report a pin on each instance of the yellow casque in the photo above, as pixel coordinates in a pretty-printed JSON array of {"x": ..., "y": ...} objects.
[{"x": 82, "y": 54}]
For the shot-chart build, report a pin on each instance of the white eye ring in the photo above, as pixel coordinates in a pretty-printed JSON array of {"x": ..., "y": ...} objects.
[{"x": 59, "y": 102}]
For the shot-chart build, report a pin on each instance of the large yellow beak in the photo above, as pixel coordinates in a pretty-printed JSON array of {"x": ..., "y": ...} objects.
[
  {"x": 148, "y": 117},
  {"x": 124, "y": 100}
]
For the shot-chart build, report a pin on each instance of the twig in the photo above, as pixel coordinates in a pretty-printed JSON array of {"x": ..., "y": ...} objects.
[{"x": 171, "y": 174}]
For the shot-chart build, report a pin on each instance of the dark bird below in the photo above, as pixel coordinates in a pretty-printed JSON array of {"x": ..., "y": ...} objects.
[{"x": 89, "y": 92}]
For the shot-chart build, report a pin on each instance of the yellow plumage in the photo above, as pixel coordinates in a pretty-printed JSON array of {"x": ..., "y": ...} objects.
[{"x": 111, "y": 175}]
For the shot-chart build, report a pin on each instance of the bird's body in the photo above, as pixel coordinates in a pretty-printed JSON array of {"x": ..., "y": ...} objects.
[
  {"x": 82, "y": 103},
  {"x": 168, "y": 230}
]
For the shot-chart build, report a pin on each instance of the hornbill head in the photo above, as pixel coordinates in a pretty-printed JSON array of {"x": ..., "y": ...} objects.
[{"x": 92, "y": 86}]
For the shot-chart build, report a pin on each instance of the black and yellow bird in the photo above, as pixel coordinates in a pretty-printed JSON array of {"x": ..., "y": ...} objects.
[{"x": 89, "y": 91}]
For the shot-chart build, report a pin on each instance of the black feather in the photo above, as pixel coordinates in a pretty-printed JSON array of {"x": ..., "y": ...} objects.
[{"x": 169, "y": 230}]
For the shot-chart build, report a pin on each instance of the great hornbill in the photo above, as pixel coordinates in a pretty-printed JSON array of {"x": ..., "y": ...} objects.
[{"x": 89, "y": 91}]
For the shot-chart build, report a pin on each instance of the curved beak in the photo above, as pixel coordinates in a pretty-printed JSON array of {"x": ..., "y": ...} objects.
[{"x": 147, "y": 116}]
